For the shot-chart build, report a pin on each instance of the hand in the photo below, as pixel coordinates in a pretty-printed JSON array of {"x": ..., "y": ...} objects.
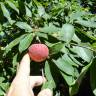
[{"x": 23, "y": 83}]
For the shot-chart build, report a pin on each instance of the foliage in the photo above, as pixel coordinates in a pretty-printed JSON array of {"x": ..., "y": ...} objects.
[{"x": 66, "y": 26}]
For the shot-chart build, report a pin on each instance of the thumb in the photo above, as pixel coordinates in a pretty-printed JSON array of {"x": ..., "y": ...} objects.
[
  {"x": 46, "y": 92},
  {"x": 37, "y": 81}
]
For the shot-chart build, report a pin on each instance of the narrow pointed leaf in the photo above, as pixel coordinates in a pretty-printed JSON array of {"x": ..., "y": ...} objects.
[
  {"x": 13, "y": 43},
  {"x": 12, "y": 5}
]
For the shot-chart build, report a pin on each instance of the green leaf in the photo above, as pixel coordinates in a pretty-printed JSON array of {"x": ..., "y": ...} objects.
[
  {"x": 93, "y": 77},
  {"x": 14, "y": 62},
  {"x": 41, "y": 10},
  {"x": 4, "y": 86},
  {"x": 93, "y": 46},
  {"x": 76, "y": 39},
  {"x": 25, "y": 42},
  {"x": 1, "y": 92},
  {"x": 69, "y": 79},
  {"x": 64, "y": 66},
  {"x": 64, "y": 50},
  {"x": 50, "y": 83},
  {"x": 75, "y": 60},
  {"x": 74, "y": 89},
  {"x": 5, "y": 12},
  {"x": 84, "y": 53},
  {"x": 2, "y": 79},
  {"x": 67, "y": 32},
  {"x": 43, "y": 35},
  {"x": 76, "y": 15},
  {"x": 13, "y": 43},
  {"x": 28, "y": 12},
  {"x": 68, "y": 60},
  {"x": 49, "y": 29},
  {"x": 24, "y": 25},
  {"x": 12, "y": 6},
  {"x": 56, "y": 48},
  {"x": 86, "y": 23}
]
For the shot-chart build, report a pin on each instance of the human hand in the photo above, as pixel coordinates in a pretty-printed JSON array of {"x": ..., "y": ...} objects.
[{"x": 23, "y": 83}]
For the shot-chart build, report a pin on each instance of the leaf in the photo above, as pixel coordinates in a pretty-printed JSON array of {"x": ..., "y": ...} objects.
[
  {"x": 76, "y": 15},
  {"x": 25, "y": 42},
  {"x": 69, "y": 79},
  {"x": 14, "y": 62},
  {"x": 41, "y": 10},
  {"x": 93, "y": 46},
  {"x": 86, "y": 23},
  {"x": 12, "y": 6},
  {"x": 5, "y": 12},
  {"x": 75, "y": 60},
  {"x": 84, "y": 53},
  {"x": 13, "y": 43},
  {"x": 43, "y": 35},
  {"x": 1, "y": 92},
  {"x": 76, "y": 39},
  {"x": 28, "y": 12},
  {"x": 64, "y": 50},
  {"x": 64, "y": 66},
  {"x": 67, "y": 32},
  {"x": 68, "y": 60},
  {"x": 56, "y": 48},
  {"x": 50, "y": 83},
  {"x": 93, "y": 77},
  {"x": 22, "y": 9},
  {"x": 74, "y": 89},
  {"x": 2, "y": 79},
  {"x": 24, "y": 25},
  {"x": 4, "y": 86},
  {"x": 49, "y": 29}
]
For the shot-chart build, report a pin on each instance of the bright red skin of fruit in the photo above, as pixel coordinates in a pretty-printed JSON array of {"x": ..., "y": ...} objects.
[{"x": 38, "y": 52}]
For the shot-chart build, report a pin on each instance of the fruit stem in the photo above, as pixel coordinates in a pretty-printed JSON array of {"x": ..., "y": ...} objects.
[
  {"x": 42, "y": 73},
  {"x": 37, "y": 38}
]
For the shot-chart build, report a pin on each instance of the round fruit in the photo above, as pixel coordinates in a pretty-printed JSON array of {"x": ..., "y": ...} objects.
[{"x": 38, "y": 52}]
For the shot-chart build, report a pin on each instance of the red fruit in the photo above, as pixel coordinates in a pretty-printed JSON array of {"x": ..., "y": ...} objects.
[{"x": 38, "y": 52}]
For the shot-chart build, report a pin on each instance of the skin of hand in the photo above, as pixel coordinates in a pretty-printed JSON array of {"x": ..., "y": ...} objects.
[{"x": 23, "y": 83}]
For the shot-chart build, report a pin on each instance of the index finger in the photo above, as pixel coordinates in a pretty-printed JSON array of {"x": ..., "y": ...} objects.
[{"x": 24, "y": 68}]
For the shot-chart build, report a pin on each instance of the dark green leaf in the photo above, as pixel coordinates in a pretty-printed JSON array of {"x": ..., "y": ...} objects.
[
  {"x": 5, "y": 12},
  {"x": 93, "y": 77},
  {"x": 74, "y": 89},
  {"x": 12, "y": 5}
]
